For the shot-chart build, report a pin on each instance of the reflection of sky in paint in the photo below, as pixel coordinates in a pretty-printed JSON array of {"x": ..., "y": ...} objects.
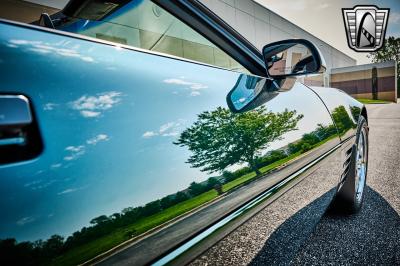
[{"x": 108, "y": 130}]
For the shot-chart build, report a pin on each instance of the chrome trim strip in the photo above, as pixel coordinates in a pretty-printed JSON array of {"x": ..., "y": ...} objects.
[{"x": 194, "y": 241}]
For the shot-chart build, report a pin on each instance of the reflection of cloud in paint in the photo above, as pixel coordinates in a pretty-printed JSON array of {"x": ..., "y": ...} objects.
[
  {"x": 170, "y": 129},
  {"x": 193, "y": 86},
  {"x": 69, "y": 190},
  {"x": 98, "y": 138},
  {"x": 47, "y": 48},
  {"x": 149, "y": 134},
  {"x": 75, "y": 152},
  {"x": 92, "y": 106},
  {"x": 49, "y": 106},
  {"x": 25, "y": 220},
  {"x": 194, "y": 93},
  {"x": 44, "y": 185},
  {"x": 166, "y": 126},
  {"x": 39, "y": 184},
  {"x": 35, "y": 182},
  {"x": 75, "y": 148},
  {"x": 86, "y": 113},
  {"x": 56, "y": 165}
]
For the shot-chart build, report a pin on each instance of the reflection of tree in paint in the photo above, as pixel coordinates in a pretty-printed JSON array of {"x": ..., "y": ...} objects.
[
  {"x": 219, "y": 138},
  {"x": 227, "y": 138},
  {"x": 342, "y": 120},
  {"x": 355, "y": 112}
]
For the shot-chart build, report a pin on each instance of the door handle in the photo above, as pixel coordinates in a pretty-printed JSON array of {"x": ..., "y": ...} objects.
[
  {"x": 15, "y": 114},
  {"x": 19, "y": 135}
]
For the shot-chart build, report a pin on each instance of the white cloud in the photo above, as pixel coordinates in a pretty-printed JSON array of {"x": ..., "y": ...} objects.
[
  {"x": 46, "y": 48},
  {"x": 87, "y": 59},
  {"x": 88, "y": 114},
  {"x": 69, "y": 190},
  {"x": 193, "y": 86},
  {"x": 177, "y": 82},
  {"x": 98, "y": 138},
  {"x": 91, "y": 106},
  {"x": 166, "y": 126},
  {"x": 170, "y": 129},
  {"x": 25, "y": 220},
  {"x": 149, "y": 134},
  {"x": 75, "y": 148},
  {"x": 75, "y": 152},
  {"x": 33, "y": 183},
  {"x": 56, "y": 165},
  {"x": 171, "y": 134},
  {"x": 49, "y": 106},
  {"x": 39, "y": 184},
  {"x": 22, "y": 42},
  {"x": 198, "y": 86}
]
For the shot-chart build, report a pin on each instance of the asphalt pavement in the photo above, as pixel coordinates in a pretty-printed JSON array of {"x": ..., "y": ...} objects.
[{"x": 371, "y": 237}]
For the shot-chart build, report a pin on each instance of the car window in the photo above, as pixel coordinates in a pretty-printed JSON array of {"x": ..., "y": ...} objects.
[{"x": 146, "y": 25}]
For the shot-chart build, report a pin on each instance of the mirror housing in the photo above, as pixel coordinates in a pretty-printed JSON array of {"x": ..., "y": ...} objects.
[
  {"x": 293, "y": 57},
  {"x": 250, "y": 92}
]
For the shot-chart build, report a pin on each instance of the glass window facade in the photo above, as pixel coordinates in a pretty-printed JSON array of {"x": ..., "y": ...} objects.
[{"x": 146, "y": 25}]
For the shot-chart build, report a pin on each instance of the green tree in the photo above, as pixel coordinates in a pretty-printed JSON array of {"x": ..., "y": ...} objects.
[
  {"x": 100, "y": 220},
  {"x": 167, "y": 202},
  {"x": 196, "y": 189},
  {"x": 389, "y": 51},
  {"x": 220, "y": 138},
  {"x": 228, "y": 176},
  {"x": 53, "y": 246}
]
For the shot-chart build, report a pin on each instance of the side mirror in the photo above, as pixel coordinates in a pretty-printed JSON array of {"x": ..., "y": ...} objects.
[{"x": 292, "y": 57}]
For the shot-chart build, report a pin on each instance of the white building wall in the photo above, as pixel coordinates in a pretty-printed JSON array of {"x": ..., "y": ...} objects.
[{"x": 261, "y": 26}]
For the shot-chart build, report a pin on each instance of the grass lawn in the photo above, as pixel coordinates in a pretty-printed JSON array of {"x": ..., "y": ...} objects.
[
  {"x": 249, "y": 176},
  {"x": 369, "y": 101},
  {"x": 87, "y": 251},
  {"x": 238, "y": 181}
]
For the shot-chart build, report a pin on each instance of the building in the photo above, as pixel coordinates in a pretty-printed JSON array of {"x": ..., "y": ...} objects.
[{"x": 370, "y": 81}]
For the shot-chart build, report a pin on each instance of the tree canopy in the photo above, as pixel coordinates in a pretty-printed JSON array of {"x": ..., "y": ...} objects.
[{"x": 220, "y": 138}]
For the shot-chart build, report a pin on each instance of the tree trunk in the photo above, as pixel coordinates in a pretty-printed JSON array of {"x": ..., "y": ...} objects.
[{"x": 254, "y": 167}]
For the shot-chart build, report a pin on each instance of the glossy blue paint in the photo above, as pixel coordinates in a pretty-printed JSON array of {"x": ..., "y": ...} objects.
[{"x": 108, "y": 117}]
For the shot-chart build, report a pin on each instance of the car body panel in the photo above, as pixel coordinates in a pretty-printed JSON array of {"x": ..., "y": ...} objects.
[
  {"x": 338, "y": 101},
  {"x": 109, "y": 117}
]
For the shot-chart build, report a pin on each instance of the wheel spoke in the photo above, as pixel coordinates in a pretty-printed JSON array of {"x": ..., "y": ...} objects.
[{"x": 360, "y": 165}]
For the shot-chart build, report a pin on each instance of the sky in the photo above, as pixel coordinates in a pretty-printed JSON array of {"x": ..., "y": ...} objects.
[{"x": 323, "y": 18}]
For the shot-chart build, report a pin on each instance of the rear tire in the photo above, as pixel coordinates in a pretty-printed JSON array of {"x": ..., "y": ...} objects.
[{"x": 350, "y": 196}]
